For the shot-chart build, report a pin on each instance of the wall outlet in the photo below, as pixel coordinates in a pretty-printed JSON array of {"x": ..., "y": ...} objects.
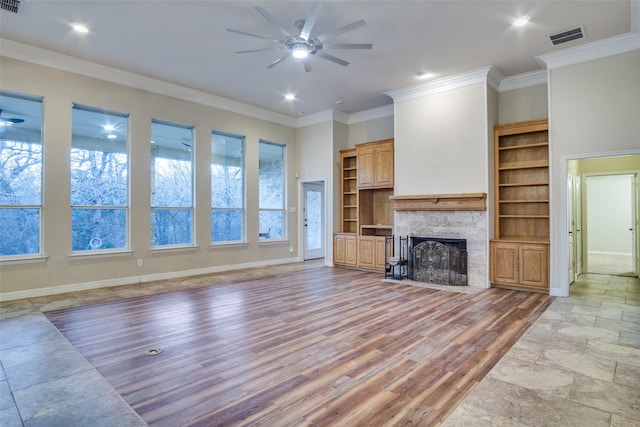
[{"x": 139, "y": 263}]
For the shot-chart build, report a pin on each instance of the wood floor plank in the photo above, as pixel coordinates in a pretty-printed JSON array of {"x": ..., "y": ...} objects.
[{"x": 309, "y": 346}]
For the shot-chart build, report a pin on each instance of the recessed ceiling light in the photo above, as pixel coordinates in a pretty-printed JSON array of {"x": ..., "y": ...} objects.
[
  {"x": 289, "y": 97},
  {"x": 521, "y": 21},
  {"x": 339, "y": 102},
  {"x": 112, "y": 136},
  {"x": 423, "y": 75},
  {"x": 80, "y": 28}
]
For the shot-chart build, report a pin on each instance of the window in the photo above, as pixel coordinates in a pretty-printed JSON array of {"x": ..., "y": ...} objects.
[
  {"x": 99, "y": 179},
  {"x": 227, "y": 188},
  {"x": 271, "y": 190},
  {"x": 171, "y": 184},
  {"x": 20, "y": 175}
]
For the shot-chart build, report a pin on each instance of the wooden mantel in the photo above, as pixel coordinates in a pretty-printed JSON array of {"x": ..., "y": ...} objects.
[{"x": 440, "y": 202}]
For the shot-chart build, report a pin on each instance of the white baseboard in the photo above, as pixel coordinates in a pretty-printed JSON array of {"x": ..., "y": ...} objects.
[
  {"x": 76, "y": 287},
  {"x": 609, "y": 253}
]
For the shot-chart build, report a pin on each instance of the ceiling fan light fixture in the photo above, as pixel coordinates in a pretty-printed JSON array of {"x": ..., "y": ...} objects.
[{"x": 300, "y": 51}]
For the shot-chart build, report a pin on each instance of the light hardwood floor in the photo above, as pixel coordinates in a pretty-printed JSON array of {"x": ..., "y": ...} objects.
[{"x": 313, "y": 346}]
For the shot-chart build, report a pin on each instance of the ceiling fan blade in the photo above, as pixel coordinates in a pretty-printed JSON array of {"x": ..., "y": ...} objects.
[
  {"x": 12, "y": 120},
  {"x": 348, "y": 45},
  {"x": 310, "y": 21},
  {"x": 274, "y": 22},
  {"x": 277, "y": 61},
  {"x": 331, "y": 34},
  {"x": 244, "y": 33},
  {"x": 332, "y": 58},
  {"x": 307, "y": 65},
  {"x": 260, "y": 50}
]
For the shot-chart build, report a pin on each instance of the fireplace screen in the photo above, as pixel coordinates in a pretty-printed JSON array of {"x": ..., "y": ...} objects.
[{"x": 439, "y": 261}]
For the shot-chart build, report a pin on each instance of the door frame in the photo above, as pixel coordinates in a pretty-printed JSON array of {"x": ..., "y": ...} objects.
[
  {"x": 559, "y": 259},
  {"x": 303, "y": 234}
]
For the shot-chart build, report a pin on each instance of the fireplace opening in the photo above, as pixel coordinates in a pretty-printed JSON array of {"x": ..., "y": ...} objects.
[{"x": 438, "y": 260}]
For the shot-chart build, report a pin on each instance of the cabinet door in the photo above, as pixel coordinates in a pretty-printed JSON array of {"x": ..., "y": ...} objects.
[
  {"x": 366, "y": 252},
  {"x": 504, "y": 263},
  {"x": 339, "y": 249},
  {"x": 351, "y": 253},
  {"x": 380, "y": 253},
  {"x": 383, "y": 162},
  {"x": 366, "y": 169},
  {"x": 534, "y": 261}
]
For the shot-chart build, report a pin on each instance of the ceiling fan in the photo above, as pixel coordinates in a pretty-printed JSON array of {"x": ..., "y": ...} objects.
[
  {"x": 10, "y": 120},
  {"x": 304, "y": 44}
]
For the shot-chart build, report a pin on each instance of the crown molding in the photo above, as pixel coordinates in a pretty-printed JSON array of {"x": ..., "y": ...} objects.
[
  {"x": 523, "y": 80},
  {"x": 590, "y": 51},
  {"x": 47, "y": 58},
  {"x": 372, "y": 114},
  {"x": 315, "y": 118},
  {"x": 479, "y": 75}
]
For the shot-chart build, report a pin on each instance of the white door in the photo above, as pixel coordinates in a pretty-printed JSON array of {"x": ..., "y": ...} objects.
[
  {"x": 572, "y": 225},
  {"x": 313, "y": 233},
  {"x": 634, "y": 224},
  {"x": 578, "y": 219}
]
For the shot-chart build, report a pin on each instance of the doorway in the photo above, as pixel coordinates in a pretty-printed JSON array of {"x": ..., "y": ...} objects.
[
  {"x": 314, "y": 221},
  {"x": 610, "y": 222}
]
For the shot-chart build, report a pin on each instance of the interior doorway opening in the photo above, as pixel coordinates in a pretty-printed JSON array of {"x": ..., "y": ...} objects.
[{"x": 603, "y": 209}]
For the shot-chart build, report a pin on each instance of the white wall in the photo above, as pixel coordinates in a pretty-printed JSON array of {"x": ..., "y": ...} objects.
[
  {"x": 441, "y": 142},
  {"x": 593, "y": 110},
  {"x": 528, "y": 103},
  {"x": 608, "y": 200},
  {"x": 370, "y": 130}
]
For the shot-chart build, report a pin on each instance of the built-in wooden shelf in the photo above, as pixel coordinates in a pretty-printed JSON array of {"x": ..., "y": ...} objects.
[{"x": 441, "y": 202}]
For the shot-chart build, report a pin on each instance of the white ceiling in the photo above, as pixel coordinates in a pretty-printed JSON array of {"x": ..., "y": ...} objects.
[{"x": 186, "y": 42}]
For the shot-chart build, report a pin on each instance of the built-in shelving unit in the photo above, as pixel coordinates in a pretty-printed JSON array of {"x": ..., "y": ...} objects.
[
  {"x": 520, "y": 250},
  {"x": 366, "y": 179}
]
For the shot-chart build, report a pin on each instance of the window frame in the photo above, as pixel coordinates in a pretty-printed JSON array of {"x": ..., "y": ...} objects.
[
  {"x": 261, "y": 237},
  {"x": 191, "y": 208},
  {"x": 40, "y": 254},
  {"x": 243, "y": 209},
  {"x": 126, "y": 207}
]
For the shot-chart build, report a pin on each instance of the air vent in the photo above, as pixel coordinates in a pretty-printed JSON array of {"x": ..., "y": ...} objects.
[
  {"x": 567, "y": 36},
  {"x": 14, "y": 6}
]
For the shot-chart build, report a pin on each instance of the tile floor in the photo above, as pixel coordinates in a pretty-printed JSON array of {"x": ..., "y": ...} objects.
[{"x": 579, "y": 364}]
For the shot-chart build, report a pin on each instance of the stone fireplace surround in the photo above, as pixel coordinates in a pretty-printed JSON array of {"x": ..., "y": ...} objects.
[{"x": 457, "y": 216}]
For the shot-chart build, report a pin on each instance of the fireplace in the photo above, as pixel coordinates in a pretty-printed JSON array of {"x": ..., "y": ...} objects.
[{"x": 438, "y": 260}]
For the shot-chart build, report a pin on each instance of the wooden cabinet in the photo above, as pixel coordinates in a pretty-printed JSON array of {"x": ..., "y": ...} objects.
[
  {"x": 371, "y": 252},
  {"x": 366, "y": 216},
  {"x": 375, "y": 164},
  {"x": 345, "y": 249},
  {"x": 348, "y": 191},
  {"x": 520, "y": 265},
  {"x": 519, "y": 252}
]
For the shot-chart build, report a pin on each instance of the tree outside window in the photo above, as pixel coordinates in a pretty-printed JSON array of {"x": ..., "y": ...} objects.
[
  {"x": 99, "y": 179},
  {"x": 20, "y": 175},
  {"x": 227, "y": 188},
  {"x": 171, "y": 184},
  {"x": 271, "y": 175}
]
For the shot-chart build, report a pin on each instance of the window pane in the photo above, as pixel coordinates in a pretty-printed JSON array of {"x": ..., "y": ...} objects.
[
  {"x": 171, "y": 183},
  {"x": 20, "y": 231},
  {"x": 271, "y": 224},
  {"x": 226, "y": 225},
  {"x": 271, "y": 176},
  {"x": 20, "y": 174},
  {"x": 98, "y": 158},
  {"x": 98, "y": 229},
  {"x": 171, "y": 165},
  {"x": 227, "y": 187},
  {"x": 271, "y": 191},
  {"x": 170, "y": 226},
  {"x": 99, "y": 177}
]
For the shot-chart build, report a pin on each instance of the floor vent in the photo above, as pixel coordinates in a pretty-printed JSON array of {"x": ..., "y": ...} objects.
[
  {"x": 14, "y": 6},
  {"x": 567, "y": 36}
]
